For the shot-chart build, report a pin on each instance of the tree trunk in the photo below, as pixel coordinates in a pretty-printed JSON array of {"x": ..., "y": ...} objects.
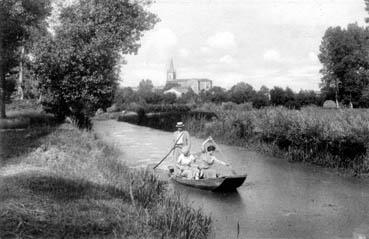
[
  {"x": 337, "y": 104},
  {"x": 2, "y": 83},
  {"x": 20, "y": 81},
  {"x": 2, "y": 91}
]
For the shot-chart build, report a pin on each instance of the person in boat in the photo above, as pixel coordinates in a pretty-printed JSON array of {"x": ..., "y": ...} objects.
[
  {"x": 208, "y": 162},
  {"x": 186, "y": 166},
  {"x": 181, "y": 140}
]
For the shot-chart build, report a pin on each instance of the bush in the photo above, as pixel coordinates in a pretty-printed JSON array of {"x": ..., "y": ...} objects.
[{"x": 328, "y": 138}]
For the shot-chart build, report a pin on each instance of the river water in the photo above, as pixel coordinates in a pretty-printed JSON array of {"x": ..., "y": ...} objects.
[{"x": 278, "y": 200}]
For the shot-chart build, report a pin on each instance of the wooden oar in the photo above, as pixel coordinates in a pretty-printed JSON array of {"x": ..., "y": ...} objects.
[{"x": 168, "y": 152}]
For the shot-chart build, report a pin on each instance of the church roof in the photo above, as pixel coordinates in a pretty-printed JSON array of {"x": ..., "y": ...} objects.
[{"x": 171, "y": 66}]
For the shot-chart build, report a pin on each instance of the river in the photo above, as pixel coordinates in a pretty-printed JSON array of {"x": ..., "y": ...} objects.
[{"x": 278, "y": 200}]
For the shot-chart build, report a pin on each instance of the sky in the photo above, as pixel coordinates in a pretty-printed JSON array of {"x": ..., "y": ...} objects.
[{"x": 260, "y": 42}]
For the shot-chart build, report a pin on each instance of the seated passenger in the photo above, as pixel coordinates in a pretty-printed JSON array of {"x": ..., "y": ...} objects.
[
  {"x": 208, "y": 160},
  {"x": 186, "y": 167}
]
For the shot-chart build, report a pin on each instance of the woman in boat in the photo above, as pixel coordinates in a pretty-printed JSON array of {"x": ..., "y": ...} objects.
[
  {"x": 186, "y": 166},
  {"x": 208, "y": 161},
  {"x": 181, "y": 140}
]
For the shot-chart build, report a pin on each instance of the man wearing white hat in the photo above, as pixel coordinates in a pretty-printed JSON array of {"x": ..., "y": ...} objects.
[{"x": 182, "y": 141}]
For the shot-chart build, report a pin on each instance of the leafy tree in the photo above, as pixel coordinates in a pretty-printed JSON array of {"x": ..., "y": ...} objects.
[
  {"x": 169, "y": 98},
  {"x": 17, "y": 19},
  {"x": 189, "y": 97},
  {"x": 307, "y": 97},
  {"x": 78, "y": 66},
  {"x": 277, "y": 96},
  {"x": 261, "y": 98},
  {"x": 241, "y": 93},
  {"x": 344, "y": 55},
  {"x": 145, "y": 87},
  {"x": 217, "y": 95},
  {"x": 124, "y": 96}
]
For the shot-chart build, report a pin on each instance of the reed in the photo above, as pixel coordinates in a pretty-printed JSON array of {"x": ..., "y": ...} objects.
[{"x": 330, "y": 138}]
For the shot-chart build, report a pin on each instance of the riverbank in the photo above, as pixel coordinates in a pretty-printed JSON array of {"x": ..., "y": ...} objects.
[
  {"x": 328, "y": 138},
  {"x": 57, "y": 181}
]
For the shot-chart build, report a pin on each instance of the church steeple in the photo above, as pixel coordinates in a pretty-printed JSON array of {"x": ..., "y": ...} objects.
[{"x": 171, "y": 73}]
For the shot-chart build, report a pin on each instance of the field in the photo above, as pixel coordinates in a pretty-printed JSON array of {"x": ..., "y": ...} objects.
[
  {"x": 60, "y": 182},
  {"x": 326, "y": 137}
]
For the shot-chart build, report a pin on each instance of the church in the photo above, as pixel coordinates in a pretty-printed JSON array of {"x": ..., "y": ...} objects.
[{"x": 196, "y": 84}]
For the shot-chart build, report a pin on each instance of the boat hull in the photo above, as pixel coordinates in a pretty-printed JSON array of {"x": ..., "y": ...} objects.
[{"x": 229, "y": 183}]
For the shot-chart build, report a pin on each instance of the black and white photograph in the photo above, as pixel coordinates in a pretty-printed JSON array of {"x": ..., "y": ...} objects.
[{"x": 188, "y": 119}]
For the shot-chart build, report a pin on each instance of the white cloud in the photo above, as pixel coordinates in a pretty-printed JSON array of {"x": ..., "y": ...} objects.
[
  {"x": 272, "y": 55},
  {"x": 204, "y": 49},
  {"x": 222, "y": 40},
  {"x": 158, "y": 45},
  {"x": 227, "y": 59},
  {"x": 163, "y": 38},
  {"x": 183, "y": 52}
]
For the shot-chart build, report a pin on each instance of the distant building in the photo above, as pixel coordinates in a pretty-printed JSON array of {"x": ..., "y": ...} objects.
[{"x": 196, "y": 84}]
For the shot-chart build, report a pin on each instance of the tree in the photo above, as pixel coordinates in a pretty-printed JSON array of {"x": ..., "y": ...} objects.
[
  {"x": 261, "y": 98},
  {"x": 344, "y": 55},
  {"x": 17, "y": 18},
  {"x": 241, "y": 93},
  {"x": 145, "y": 87},
  {"x": 189, "y": 97},
  {"x": 78, "y": 67},
  {"x": 277, "y": 96},
  {"x": 217, "y": 94}
]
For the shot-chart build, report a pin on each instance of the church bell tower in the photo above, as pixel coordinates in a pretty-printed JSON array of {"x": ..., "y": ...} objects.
[{"x": 171, "y": 73}]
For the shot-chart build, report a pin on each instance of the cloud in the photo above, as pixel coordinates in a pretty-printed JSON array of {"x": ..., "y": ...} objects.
[
  {"x": 222, "y": 40},
  {"x": 205, "y": 49},
  {"x": 183, "y": 52},
  {"x": 227, "y": 59},
  {"x": 272, "y": 55},
  {"x": 158, "y": 44},
  {"x": 164, "y": 38}
]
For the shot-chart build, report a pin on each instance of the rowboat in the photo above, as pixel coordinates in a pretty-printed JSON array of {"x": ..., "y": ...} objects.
[{"x": 227, "y": 183}]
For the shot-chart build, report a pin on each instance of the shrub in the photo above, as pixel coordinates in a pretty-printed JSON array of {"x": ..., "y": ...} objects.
[{"x": 330, "y": 138}]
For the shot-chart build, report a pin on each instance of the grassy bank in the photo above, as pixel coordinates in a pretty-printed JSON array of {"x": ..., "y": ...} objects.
[
  {"x": 23, "y": 114},
  {"x": 329, "y": 138},
  {"x": 60, "y": 182}
]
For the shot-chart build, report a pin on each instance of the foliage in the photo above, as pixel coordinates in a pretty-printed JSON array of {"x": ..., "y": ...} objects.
[
  {"x": 237, "y": 94},
  {"x": 331, "y": 138},
  {"x": 10, "y": 88},
  {"x": 344, "y": 55},
  {"x": 145, "y": 87},
  {"x": 17, "y": 20},
  {"x": 241, "y": 92},
  {"x": 78, "y": 66}
]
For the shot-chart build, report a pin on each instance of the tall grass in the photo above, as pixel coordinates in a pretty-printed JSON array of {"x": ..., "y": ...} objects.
[
  {"x": 72, "y": 185},
  {"x": 330, "y": 138}
]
